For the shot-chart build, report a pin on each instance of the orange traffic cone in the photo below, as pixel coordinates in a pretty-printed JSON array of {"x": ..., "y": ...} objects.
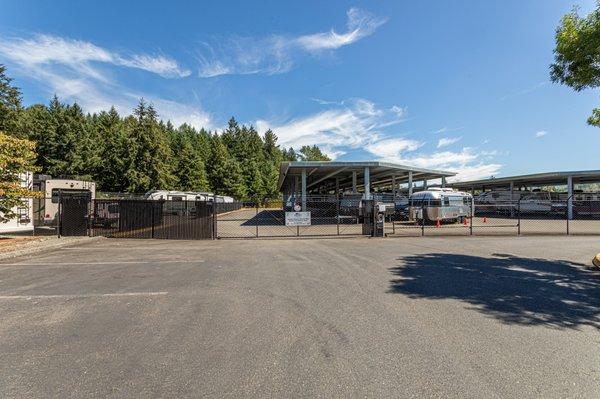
[
  {"x": 438, "y": 223},
  {"x": 466, "y": 221},
  {"x": 484, "y": 220}
]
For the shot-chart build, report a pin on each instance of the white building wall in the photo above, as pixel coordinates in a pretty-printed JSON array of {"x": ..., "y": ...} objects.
[{"x": 24, "y": 219}]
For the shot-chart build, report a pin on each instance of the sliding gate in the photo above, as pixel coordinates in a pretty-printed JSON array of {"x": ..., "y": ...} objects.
[
  {"x": 196, "y": 220},
  {"x": 184, "y": 220},
  {"x": 323, "y": 218}
]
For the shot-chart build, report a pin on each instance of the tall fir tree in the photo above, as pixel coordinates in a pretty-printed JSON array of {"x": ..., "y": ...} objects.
[
  {"x": 39, "y": 125},
  {"x": 224, "y": 174},
  {"x": 149, "y": 153},
  {"x": 190, "y": 171},
  {"x": 113, "y": 153},
  {"x": 272, "y": 159},
  {"x": 10, "y": 105}
]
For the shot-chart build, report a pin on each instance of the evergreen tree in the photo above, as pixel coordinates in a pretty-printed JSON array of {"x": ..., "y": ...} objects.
[
  {"x": 190, "y": 171},
  {"x": 39, "y": 125},
  {"x": 113, "y": 156},
  {"x": 10, "y": 105},
  {"x": 272, "y": 159},
  {"x": 224, "y": 173},
  {"x": 149, "y": 153},
  {"x": 289, "y": 155},
  {"x": 140, "y": 152},
  {"x": 312, "y": 153}
]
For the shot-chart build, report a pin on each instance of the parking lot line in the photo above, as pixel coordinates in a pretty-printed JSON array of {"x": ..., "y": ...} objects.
[
  {"x": 71, "y": 296},
  {"x": 134, "y": 262}
]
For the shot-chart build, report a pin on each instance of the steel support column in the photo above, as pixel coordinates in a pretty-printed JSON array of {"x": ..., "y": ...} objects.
[
  {"x": 570, "y": 197},
  {"x": 303, "y": 189},
  {"x": 367, "y": 183}
]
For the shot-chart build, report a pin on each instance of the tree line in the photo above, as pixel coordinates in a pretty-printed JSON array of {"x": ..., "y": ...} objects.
[{"x": 140, "y": 152}]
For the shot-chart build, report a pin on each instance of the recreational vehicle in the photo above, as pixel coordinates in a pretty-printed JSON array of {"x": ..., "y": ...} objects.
[
  {"x": 46, "y": 209},
  {"x": 586, "y": 204},
  {"x": 182, "y": 202},
  {"x": 186, "y": 196},
  {"x": 441, "y": 204},
  {"x": 23, "y": 221}
]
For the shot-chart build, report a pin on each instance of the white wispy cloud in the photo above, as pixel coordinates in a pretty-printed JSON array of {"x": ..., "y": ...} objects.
[
  {"x": 540, "y": 134},
  {"x": 523, "y": 92},
  {"x": 79, "y": 55},
  {"x": 467, "y": 163},
  {"x": 446, "y": 129},
  {"x": 446, "y": 141},
  {"x": 360, "y": 24},
  {"x": 400, "y": 111},
  {"x": 161, "y": 65},
  {"x": 80, "y": 71},
  {"x": 392, "y": 148},
  {"x": 360, "y": 125},
  {"x": 356, "y": 123},
  {"x": 278, "y": 53}
]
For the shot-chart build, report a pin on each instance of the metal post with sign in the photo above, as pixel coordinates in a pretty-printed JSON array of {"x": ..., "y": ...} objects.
[{"x": 297, "y": 219}]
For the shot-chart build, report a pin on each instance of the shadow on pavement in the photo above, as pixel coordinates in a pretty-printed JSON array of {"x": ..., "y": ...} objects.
[{"x": 514, "y": 290}]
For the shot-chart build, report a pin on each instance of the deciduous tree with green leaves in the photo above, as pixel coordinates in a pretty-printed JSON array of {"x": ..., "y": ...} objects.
[
  {"x": 577, "y": 54},
  {"x": 17, "y": 156}
]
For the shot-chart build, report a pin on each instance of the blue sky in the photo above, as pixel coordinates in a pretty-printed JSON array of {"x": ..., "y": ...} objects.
[{"x": 458, "y": 85}]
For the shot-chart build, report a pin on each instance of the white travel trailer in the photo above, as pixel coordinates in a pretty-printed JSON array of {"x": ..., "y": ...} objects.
[
  {"x": 46, "y": 209},
  {"x": 183, "y": 202},
  {"x": 24, "y": 213},
  {"x": 443, "y": 204},
  {"x": 177, "y": 195},
  {"x": 186, "y": 196}
]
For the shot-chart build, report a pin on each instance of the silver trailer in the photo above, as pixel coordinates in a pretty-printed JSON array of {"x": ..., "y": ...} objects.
[{"x": 440, "y": 204}]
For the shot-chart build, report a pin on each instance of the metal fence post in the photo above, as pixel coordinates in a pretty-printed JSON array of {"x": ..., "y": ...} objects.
[
  {"x": 337, "y": 212},
  {"x": 256, "y": 218},
  {"x": 567, "y": 212},
  {"x": 422, "y": 221},
  {"x": 215, "y": 213},
  {"x": 472, "y": 216},
  {"x": 59, "y": 216},
  {"x": 152, "y": 220},
  {"x": 519, "y": 217},
  {"x": 89, "y": 219}
]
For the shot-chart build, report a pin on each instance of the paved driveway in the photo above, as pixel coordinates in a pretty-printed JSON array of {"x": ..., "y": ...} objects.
[{"x": 397, "y": 317}]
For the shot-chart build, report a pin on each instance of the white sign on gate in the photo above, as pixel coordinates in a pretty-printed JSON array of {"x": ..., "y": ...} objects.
[{"x": 297, "y": 218}]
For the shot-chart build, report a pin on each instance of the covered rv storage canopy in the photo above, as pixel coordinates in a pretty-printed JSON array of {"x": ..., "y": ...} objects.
[{"x": 319, "y": 177}]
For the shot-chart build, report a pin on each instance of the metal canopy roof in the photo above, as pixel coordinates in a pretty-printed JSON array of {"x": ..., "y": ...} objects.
[
  {"x": 549, "y": 178},
  {"x": 321, "y": 174}
]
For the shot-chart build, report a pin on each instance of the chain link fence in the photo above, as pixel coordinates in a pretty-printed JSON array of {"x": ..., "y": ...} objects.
[
  {"x": 322, "y": 216},
  {"x": 523, "y": 217}
]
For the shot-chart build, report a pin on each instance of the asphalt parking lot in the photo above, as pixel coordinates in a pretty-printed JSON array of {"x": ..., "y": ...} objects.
[{"x": 349, "y": 317}]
